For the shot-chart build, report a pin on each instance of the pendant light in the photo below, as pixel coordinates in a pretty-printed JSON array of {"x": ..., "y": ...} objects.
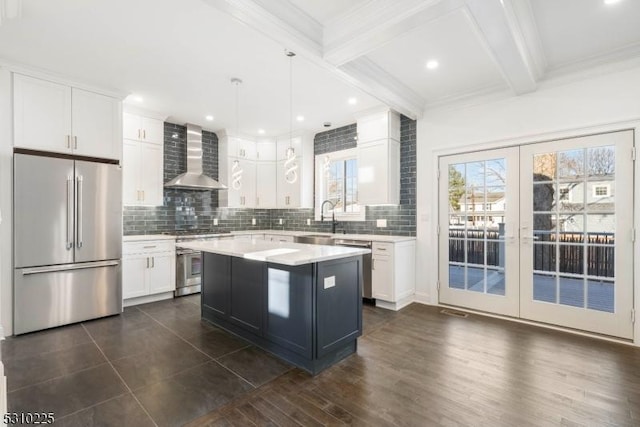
[
  {"x": 236, "y": 169},
  {"x": 290, "y": 164}
]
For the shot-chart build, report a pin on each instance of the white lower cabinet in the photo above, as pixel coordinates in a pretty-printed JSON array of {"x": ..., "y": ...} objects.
[
  {"x": 393, "y": 273},
  {"x": 148, "y": 268}
]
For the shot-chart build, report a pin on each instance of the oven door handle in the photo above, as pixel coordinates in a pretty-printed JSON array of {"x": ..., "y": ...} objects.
[{"x": 185, "y": 252}]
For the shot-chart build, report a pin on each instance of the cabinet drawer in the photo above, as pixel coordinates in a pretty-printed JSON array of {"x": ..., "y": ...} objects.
[
  {"x": 148, "y": 247},
  {"x": 382, "y": 248}
]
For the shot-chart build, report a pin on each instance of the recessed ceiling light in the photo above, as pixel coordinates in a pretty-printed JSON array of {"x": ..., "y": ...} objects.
[
  {"x": 138, "y": 98},
  {"x": 611, "y": 1},
  {"x": 209, "y": 118},
  {"x": 352, "y": 100},
  {"x": 432, "y": 64},
  {"x": 300, "y": 118},
  {"x": 261, "y": 131}
]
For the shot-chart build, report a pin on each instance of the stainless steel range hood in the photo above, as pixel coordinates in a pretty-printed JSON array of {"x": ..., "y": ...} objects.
[{"x": 193, "y": 178}]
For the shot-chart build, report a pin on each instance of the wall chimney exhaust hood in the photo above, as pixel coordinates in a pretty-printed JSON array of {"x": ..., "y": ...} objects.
[{"x": 193, "y": 178}]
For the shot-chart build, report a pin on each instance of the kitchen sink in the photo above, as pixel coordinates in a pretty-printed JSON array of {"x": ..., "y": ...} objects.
[{"x": 314, "y": 239}]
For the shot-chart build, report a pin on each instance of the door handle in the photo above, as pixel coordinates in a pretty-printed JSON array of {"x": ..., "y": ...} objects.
[
  {"x": 79, "y": 211},
  {"x": 69, "y": 213}
]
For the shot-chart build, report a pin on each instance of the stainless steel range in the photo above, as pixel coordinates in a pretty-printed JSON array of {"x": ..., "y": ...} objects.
[{"x": 189, "y": 262}]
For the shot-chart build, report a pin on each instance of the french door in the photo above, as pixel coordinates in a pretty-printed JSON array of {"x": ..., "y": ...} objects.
[
  {"x": 478, "y": 230},
  {"x": 538, "y": 232}
]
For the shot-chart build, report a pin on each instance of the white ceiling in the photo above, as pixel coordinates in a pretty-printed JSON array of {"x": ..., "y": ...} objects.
[{"x": 180, "y": 55}]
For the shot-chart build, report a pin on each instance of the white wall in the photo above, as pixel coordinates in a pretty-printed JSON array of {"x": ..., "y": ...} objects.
[
  {"x": 6, "y": 138},
  {"x": 591, "y": 105}
]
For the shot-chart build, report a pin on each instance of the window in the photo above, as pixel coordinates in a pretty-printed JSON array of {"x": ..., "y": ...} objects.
[
  {"x": 600, "y": 191},
  {"x": 337, "y": 182}
]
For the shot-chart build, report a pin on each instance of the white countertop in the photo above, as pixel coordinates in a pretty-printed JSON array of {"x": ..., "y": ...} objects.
[
  {"x": 276, "y": 252},
  {"x": 145, "y": 237},
  {"x": 362, "y": 237}
]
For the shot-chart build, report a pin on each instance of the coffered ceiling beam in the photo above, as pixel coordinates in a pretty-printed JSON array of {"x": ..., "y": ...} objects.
[
  {"x": 279, "y": 20},
  {"x": 295, "y": 30},
  {"x": 371, "y": 78},
  {"x": 498, "y": 27},
  {"x": 365, "y": 28}
]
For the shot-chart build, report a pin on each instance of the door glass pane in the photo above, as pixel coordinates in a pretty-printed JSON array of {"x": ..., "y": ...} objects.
[
  {"x": 456, "y": 186},
  {"x": 544, "y": 257},
  {"x": 600, "y": 261},
  {"x": 475, "y": 279},
  {"x": 544, "y": 287},
  {"x": 456, "y": 276},
  {"x": 543, "y": 197},
  {"x": 601, "y": 162},
  {"x": 600, "y": 295},
  {"x": 571, "y": 291},
  {"x": 495, "y": 281},
  {"x": 571, "y": 164},
  {"x": 571, "y": 257},
  {"x": 544, "y": 167},
  {"x": 570, "y": 196},
  {"x": 544, "y": 227}
]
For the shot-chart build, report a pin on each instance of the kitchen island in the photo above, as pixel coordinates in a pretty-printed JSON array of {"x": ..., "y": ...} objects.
[{"x": 301, "y": 302}]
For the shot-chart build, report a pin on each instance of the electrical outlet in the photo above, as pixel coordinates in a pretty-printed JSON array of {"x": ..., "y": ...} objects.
[
  {"x": 329, "y": 282},
  {"x": 308, "y": 221},
  {"x": 215, "y": 221},
  {"x": 280, "y": 221},
  {"x": 381, "y": 223},
  {"x": 253, "y": 221}
]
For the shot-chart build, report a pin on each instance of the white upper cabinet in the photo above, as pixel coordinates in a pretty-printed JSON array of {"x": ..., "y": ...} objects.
[
  {"x": 266, "y": 151},
  {"x": 294, "y": 177},
  {"x": 382, "y": 125},
  {"x": 142, "y": 128},
  {"x": 95, "y": 124},
  {"x": 241, "y": 148},
  {"x": 241, "y": 183},
  {"x": 294, "y": 143},
  {"x": 265, "y": 183},
  {"x": 379, "y": 159},
  {"x": 54, "y": 117},
  {"x": 143, "y": 160}
]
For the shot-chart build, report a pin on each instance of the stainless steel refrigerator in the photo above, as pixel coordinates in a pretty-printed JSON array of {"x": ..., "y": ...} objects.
[{"x": 67, "y": 241}]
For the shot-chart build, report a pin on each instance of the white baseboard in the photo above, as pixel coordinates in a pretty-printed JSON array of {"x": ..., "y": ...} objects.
[
  {"x": 395, "y": 306},
  {"x": 423, "y": 298},
  {"x": 147, "y": 299}
]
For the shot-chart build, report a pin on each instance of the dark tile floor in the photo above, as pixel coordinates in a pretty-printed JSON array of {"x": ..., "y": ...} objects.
[{"x": 155, "y": 364}]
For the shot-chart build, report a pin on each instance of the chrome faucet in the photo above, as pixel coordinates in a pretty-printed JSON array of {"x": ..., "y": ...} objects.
[{"x": 333, "y": 215}]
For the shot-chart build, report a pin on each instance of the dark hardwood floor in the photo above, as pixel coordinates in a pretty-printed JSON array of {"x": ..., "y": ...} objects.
[{"x": 158, "y": 364}]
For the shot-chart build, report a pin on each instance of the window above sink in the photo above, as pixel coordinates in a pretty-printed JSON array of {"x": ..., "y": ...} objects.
[{"x": 337, "y": 181}]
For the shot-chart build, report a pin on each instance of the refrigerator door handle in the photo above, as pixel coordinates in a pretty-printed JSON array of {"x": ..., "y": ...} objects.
[
  {"x": 66, "y": 267},
  {"x": 69, "y": 213},
  {"x": 79, "y": 211}
]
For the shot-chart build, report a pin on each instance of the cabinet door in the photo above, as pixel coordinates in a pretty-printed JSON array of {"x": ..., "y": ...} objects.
[
  {"x": 42, "y": 114},
  {"x": 288, "y": 310},
  {"x": 134, "y": 283},
  {"x": 249, "y": 187},
  {"x": 152, "y": 130},
  {"x": 161, "y": 273},
  {"x": 245, "y": 307},
  {"x": 379, "y": 173},
  {"x": 266, "y": 151},
  {"x": 95, "y": 125},
  {"x": 216, "y": 284},
  {"x": 382, "y": 278},
  {"x": 151, "y": 174},
  {"x": 284, "y": 144},
  {"x": 131, "y": 162},
  {"x": 373, "y": 128},
  {"x": 131, "y": 126},
  {"x": 288, "y": 193},
  {"x": 266, "y": 184}
]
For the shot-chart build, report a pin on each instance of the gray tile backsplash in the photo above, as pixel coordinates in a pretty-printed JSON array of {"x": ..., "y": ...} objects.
[{"x": 185, "y": 209}]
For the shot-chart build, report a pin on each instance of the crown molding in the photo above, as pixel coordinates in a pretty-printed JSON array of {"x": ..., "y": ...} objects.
[{"x": 51, "y": 76}]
